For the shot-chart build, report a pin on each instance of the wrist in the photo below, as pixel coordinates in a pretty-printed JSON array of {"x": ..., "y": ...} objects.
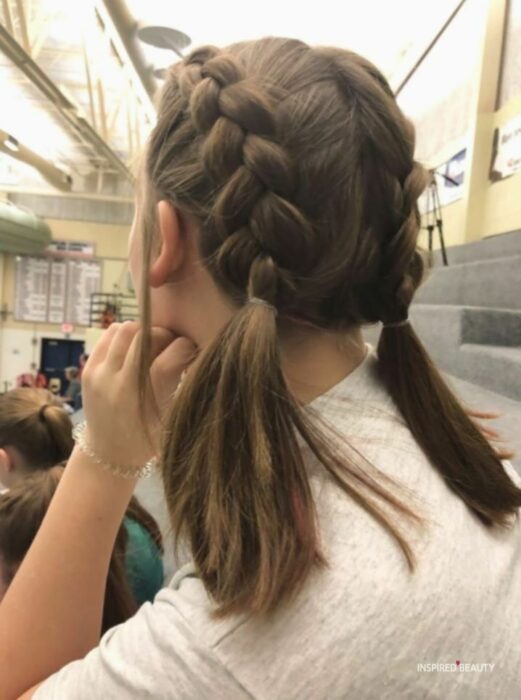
[
  {"x": 93, "y": 477},
  {"x": 116, "y": 468}
]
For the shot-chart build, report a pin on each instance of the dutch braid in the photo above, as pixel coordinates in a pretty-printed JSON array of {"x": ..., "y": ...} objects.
[
  {"x": 401, "y": 268},
  {"x": 253, "y": 220}
]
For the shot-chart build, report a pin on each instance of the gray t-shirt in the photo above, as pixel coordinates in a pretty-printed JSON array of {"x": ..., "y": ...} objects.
[{"x": 365, "y": 627}]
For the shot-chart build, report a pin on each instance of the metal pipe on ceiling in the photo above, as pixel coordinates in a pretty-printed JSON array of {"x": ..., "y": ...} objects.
[
  {"x": 127, "y": 26},
  {"x": 67, "y": 110},
  {"x": 429, "y": 48},
  {"x": 55, "y": 176}
]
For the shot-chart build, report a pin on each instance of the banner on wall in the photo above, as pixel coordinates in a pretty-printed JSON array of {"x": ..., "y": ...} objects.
[
  {"x": 55, "y": 291},
  {"x": 71, "y": 249},
  {"x": 449, "y": 180},
  {"x": 506, "y": 152}
]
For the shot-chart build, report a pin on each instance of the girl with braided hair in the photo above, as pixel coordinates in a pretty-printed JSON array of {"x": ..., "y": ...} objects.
[{"x": 346, "y": 518}]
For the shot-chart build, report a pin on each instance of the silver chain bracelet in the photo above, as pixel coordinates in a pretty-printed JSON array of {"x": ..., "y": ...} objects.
[
  {"x": 143, "y": 472},
  {"x": 126, "y": 472}
]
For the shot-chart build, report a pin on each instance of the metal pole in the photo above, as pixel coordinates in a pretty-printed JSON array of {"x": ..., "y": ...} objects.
[
  {"x": 439, "y": 224},
  {"x": 428, "y": 49}
]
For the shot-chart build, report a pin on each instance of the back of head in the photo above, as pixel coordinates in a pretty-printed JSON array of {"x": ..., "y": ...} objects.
[
  {"x": 33, "y": 421},
  {"x": 298, "y": 167},
  {"x": 300, "y": 164},
  {"x": 22, "y": 510}
]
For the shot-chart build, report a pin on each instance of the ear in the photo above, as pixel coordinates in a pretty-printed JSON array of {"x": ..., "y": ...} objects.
[{"x": 172, "y": 251}]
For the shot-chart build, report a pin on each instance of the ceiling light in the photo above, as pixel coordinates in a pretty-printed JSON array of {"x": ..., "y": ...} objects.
[{"x": 163, "y": 37}]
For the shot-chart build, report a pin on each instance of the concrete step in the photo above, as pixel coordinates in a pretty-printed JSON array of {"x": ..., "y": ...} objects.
[
  {"x": 499, "y": 246},
  {"x": 482, "y": 346},
  {"x": 493, "y": 283},
  {"x": 497, "y": 368},
  {"x": 471, "y": 393},
  {"x": 491, "y": 326},
  {"x": 468, "y": 314}
]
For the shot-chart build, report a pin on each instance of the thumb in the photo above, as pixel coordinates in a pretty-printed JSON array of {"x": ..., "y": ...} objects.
[{"x": 166, "y": 369}]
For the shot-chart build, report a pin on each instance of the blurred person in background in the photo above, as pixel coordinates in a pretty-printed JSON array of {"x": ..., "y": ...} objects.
[
  {"x": 83, "y": 361},
  {"x": 35, "y": 435},
  {"x": 41, "y": 379},
  {"x": 73, "y": 392},
  {"x": 22, "y": 510}
]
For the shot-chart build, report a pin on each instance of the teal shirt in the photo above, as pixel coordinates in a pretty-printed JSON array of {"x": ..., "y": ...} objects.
[{"x": 143, "y": 562}]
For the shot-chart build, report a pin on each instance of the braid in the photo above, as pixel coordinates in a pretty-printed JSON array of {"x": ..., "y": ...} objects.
[
  {"x": 403, "y": 265},
  {"x": 252, "y": 217},
  {"x": 390, "y": 142}
]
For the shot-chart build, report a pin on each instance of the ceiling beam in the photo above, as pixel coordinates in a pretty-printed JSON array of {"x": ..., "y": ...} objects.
[
  {"x": 24, "y": 26},
  {"x": 429, "y": 48},
  {"x": 66, "y": 108},
  {"x": 8, "y": 15},
  {"x": 126, "y": 26},
  {"x": 55, "y": 176}
]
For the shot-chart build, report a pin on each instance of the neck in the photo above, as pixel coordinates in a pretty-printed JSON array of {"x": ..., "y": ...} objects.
[{"x": 313, "y": 361}]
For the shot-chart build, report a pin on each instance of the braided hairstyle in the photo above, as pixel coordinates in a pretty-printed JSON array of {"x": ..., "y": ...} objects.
[{"x": 299, "y": 168}]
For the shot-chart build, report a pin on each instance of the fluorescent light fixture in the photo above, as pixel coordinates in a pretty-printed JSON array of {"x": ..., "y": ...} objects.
[{"x": 163, "y": 37}]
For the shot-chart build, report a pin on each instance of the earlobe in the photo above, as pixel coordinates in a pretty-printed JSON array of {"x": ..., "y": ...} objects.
[{"x": 171, "y": 253}]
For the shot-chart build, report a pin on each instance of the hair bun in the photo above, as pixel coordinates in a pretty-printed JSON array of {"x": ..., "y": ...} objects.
[{"x": 41, "y": 412}]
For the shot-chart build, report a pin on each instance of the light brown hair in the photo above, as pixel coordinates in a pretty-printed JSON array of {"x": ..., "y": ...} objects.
[
  {"x": 298, "y": 166},
  {"x": 22, "y": 510},
  {"x": 34, "y": 421}
]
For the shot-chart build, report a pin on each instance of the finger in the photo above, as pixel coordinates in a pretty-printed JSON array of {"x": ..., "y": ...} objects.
[
  {"x": 167, "y": 368},
  {"x": 175, "y": 357},
  {"x": 490, "y": 415},
  {"x": 121, "y": 344},
  {"x": 159, "y": 338},
  {"x": 101, "y": 348}
]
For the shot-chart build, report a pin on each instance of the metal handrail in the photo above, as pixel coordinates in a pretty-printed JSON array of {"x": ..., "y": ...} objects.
[{"x": 122, "y": 307}]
